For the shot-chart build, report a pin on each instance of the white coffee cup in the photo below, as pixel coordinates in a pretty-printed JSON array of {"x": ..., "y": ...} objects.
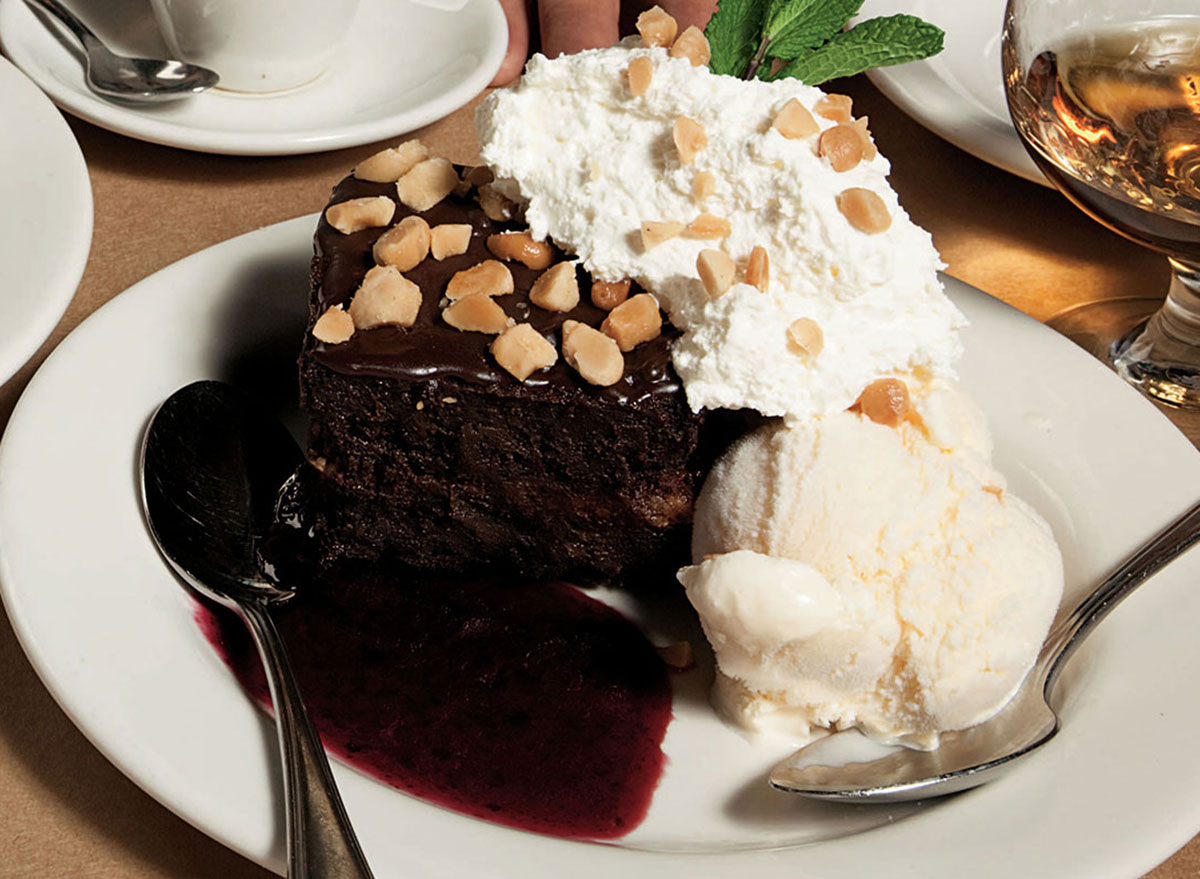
[{"x": 256, "y": 45}]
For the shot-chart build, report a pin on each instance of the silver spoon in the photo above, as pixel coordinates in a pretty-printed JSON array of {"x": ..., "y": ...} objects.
[
  {"x": 130, "y": 79},
  {"x": 969, "y": 757},
  {"x": 212, "y": 465}
]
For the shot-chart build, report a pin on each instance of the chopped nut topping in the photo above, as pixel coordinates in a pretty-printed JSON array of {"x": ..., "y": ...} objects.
[
  {"x": 885, "y": 401},
  {"x": 634, "y": 321},
  {"x": 594, "y": 355},
  {"x": 360, "y": 213},
  {"x": 556, "y": 289},
  {"x": 708, "y": 227},
  {"x": 496, "y": 206},
  {"x": 805, "y": 337},
  {"x": 476, "y": 313},
  {"x": 449, "y": 239},
  {"x": 609, "y": 294},
  {"x": 703, "y": 186},
  {"x": 639, "y": 73},
  {"x": 521, "y": 350},
  {"x": 844, "y": 145},
  {"x": 716, "y": 271},
  {"x": 865, "y": 210},
  {"x": 794, "y": 121},
  {"x": 869, "y": 151},
  {"x": 655, "y": 232},
  {"x": 689, "y": 138},
  {"x": 758, "y": 269},
  {"x": 490, "y": 277},
  {"x": 678, "y": 655},
  {"x": 385, "y": 297},
  {"x": 334, "y": 326},
  {"x": 427, "y": 183},
  {"x": 692, "y": 45},
  {"x": 521, "y": 247},
  {"x": 657, "y": 27},
  {"x": 835, "y": 107},
  {"x": 388, "y": 166},
  {"x": 404, "y": 245}
]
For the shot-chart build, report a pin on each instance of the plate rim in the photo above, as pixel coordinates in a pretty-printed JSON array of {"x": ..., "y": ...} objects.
[
  {"x": 45, "y": 309},
  {"x": 129, "y": 122},
  {"x": 818, "y": 857},
  {"x": 920, "y": 89}
]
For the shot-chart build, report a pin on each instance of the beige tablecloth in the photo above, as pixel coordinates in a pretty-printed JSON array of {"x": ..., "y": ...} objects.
[{"x": 64, "y": 810}]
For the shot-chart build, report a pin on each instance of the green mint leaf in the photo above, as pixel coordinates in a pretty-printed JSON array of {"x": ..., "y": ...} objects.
[
  {"x": 733, "y": 35},
  {"x": 810, "y": 25},
  {"x": 878, "y": 42}
]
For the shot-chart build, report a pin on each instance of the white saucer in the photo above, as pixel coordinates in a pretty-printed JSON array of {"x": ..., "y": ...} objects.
[
  {"x": 958, "y": 94},
  {"x": 46, "y": 223},
  {"x": 402, "y": 66},
  {"x": 113, "y": 636}
]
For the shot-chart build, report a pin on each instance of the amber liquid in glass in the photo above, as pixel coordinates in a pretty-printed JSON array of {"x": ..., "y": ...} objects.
[{"x": 1113, "y": 119}]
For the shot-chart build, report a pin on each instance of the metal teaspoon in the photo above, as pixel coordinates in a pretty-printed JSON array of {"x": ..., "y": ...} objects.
[
  {"x": 212, "y": 466},
  {"x": 129, "y": 79},
  {"x": 969, "y": 757}
]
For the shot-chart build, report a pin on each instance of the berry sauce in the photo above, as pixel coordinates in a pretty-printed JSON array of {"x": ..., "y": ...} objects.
[{"x": 529, "y": 705}]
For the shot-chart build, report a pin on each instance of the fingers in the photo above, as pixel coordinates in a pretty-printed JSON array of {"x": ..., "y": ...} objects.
[
  {"x": 689, "y": 12},
  {"x": 686, "y": 12},
  {"x": 573, "y": 25},
  {"x": 518, "y": 42}
]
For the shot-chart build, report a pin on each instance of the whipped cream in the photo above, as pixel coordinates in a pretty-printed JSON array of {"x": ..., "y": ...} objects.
[{"x": 590, "y": 162}]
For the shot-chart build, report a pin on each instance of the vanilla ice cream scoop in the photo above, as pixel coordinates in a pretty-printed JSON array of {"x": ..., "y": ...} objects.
[{"x": 853, "y": 574}]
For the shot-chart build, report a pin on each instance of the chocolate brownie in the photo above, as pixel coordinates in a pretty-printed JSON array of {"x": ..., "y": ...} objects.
[{"x": 431, "y": 453}]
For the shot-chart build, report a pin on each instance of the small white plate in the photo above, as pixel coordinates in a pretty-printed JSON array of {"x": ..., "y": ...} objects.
[
  {"x": 959, "y": 93},
  {"x": 112, "y": 635},
  {"x": 46, "y": 223},
  {"x": 402, "y": 66}
]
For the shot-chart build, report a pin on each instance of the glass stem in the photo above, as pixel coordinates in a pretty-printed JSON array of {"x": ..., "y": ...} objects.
[
  {"x": 1162, "y": 356},
  {"x": 1179, "y": 319}
]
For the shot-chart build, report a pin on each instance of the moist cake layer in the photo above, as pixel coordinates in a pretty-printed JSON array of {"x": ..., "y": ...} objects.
[{"x": 432, "y": 453}]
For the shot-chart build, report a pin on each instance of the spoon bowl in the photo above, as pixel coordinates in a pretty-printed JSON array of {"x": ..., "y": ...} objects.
[
  {"x": 129, "y": 79},
  {"x": 213, "y": 463},
  {"x": 969, "y": 757}
]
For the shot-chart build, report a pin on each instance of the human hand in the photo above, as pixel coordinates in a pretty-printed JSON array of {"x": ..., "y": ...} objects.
[{"x": 573, "y": 25}]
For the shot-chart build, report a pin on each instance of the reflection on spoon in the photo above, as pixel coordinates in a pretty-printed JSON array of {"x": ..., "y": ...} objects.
[
  {"x": 129, "y": 79},
  {"x": 213, "y": 463}
]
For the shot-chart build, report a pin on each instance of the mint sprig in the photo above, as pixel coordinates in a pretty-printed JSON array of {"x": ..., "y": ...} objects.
[
  {"x": 877, "y": 42},
  {"x": 808, "y": 35},
  {"x": 733, "y": 35}
]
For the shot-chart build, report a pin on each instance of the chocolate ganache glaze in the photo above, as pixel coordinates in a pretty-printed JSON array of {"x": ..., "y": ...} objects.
[{"x": 431, "y": 348}]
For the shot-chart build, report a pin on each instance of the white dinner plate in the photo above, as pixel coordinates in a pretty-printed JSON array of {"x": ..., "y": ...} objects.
[
  {"x": 113, "y": 637},
  {"x": 45, "y": 218},
  {"x": 959, "y": 93},
  {"x": 403, "y": 65}
]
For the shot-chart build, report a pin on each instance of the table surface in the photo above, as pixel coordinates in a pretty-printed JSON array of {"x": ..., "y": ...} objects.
[{"x": 68, "y": 812}]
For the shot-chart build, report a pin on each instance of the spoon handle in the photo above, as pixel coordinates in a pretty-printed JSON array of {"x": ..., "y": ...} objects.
[
  {"x": 81, "y": 31},
  {"x": 320, "y": 841},
  {"x": 1078, "y": 624}
]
